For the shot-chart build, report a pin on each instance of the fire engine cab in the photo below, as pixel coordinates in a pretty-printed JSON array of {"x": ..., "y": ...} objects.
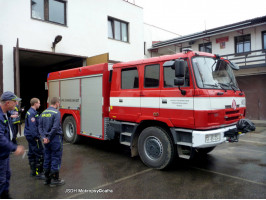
[{"x": 182, "y": 104}]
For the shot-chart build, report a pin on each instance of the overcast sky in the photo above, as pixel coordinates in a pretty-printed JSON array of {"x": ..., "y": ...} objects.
[{"x": 190, "y": 16}]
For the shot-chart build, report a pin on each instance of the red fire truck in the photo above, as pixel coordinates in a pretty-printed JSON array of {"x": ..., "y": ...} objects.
[{"x": 182, "y": 104}]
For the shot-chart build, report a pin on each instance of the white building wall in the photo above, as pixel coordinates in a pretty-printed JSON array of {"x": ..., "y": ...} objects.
[
  {"x": 133, "y": 50},
  {"x": 155, "y": 34},
  {"x": 256, "y": 42},
  {"x": 86, "y": 33}
]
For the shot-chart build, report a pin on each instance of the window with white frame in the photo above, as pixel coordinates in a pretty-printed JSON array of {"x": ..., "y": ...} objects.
[
  {"x": 205, "y": 47},
  {"x": 117, "y": 29},
  {"x": 49, "y": 10},
  {"x": 264, "y": 40},
  {"x": 242, "y": 44}
]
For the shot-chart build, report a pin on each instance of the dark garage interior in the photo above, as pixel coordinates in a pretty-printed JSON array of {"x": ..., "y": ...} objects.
[
  {"x": 255, "y": 91},
  {"x": 34, "y": 69}
]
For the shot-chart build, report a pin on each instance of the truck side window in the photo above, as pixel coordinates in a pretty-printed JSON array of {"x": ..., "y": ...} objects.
[
  {"x": 130, "y": 78},
  {"x": 169, "y": 77},
  {"x": 152, "y": 76}
]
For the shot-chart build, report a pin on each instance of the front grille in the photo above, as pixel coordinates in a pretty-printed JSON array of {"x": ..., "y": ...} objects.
[
  {"x": 231, "y": 115},
  {"x": 232, "y": 112},
  {"x": 231, "y": 118}
]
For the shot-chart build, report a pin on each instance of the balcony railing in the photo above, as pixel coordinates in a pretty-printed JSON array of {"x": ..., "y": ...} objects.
[{"x": 249, "y": 59}]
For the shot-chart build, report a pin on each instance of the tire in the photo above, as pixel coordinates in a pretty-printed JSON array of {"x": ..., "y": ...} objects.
[
  {"x": 70, "y": 130},
  {"x": 204, "y": 151},
  {"x": 155, "y": 148}
]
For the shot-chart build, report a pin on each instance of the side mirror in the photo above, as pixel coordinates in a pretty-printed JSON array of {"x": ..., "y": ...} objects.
[
  {"x": 180, "y": 74},
  {"x": 179, "y": 81},
  {"x": 180, "y": 68}
]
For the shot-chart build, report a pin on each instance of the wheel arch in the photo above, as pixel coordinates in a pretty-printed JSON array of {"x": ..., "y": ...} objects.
[
  {"x": 145, "y": 124},
  {"x": 74, "y": 114}
]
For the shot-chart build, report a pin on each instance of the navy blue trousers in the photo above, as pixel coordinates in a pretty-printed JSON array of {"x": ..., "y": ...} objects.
[
  {"x": 36, "y": 151},
  {"x": 5, "y": 175},
  {"x": 53, "y": 154}
]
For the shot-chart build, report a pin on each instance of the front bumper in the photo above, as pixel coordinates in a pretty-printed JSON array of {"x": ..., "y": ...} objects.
[{"x": 199, "y": 137}]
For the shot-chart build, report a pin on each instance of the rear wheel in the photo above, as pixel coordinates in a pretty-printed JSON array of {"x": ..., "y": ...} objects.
[
  {"x": 70, "y": 130},
  {"x": 155, "y": 147}
]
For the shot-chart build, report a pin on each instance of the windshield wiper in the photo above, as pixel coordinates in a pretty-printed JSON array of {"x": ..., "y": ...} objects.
[
  {"x": 222, "y": 85},
  {"x": 212, "y": 85},
  {"x": 233, "y": 87}
]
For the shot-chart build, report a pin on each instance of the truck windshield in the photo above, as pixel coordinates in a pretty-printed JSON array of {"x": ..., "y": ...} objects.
[{"x": 212, "y": 73}]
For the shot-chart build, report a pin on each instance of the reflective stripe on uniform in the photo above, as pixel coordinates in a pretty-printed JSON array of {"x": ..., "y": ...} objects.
[{"x": 50, "y": 111}]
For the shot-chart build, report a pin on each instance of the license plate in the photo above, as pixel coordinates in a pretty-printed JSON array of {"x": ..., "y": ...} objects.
[{"x": 212, "y": 138}]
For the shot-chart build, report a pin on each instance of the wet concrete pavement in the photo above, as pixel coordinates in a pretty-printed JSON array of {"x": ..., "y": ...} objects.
[{"x": 96, "y": 169}]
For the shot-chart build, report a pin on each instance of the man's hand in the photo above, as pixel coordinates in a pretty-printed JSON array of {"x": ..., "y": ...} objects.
[
  {"x": 46, "y": 140},
  {"x": 14, "y": 116},
  {"x": 20, "y": 150}
]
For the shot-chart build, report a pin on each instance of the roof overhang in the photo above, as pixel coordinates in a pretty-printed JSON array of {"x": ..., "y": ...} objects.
[{"x": 211, "y": 32}]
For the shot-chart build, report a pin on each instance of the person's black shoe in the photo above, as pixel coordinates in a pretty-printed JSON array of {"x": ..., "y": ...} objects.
[
  {"x": 33, "y": 169},
  {"x": 47, "y": 181},
  {"x": 47, "y": 177},
  {"x": 56, "y": 181},
  {"x": 40, "y": 176}
]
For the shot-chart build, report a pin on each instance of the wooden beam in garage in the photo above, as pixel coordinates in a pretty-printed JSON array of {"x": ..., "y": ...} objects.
[{"x": 103, "y": 58}]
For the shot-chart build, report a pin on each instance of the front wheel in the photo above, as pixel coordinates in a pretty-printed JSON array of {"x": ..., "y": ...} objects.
[
  {"x": 70, "y": 130},
  {"x": 155, "y": 148}
]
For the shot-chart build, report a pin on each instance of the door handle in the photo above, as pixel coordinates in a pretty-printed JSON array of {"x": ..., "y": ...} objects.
[
  {"x": 164, "y": 101},
  {"x": 120, "y": 100}
]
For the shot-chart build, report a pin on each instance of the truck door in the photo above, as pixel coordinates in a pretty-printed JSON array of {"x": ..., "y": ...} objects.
[
  {"x": 150, "y": 92},
  {"x": 125, "y": 100},
  {"x": 91, "y": 109},
  {"x": 174, "y": 106}
]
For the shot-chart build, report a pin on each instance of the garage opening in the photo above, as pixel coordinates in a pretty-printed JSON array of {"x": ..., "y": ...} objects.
[
  {"x": 255, "y": 91},
  {"x": 34, "y": 67}
]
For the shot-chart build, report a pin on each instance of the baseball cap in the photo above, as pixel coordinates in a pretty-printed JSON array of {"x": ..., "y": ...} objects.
[{"x": 9, "y": 96}]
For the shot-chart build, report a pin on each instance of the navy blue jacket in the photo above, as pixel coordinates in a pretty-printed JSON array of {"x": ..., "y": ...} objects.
[
  {"x": 17, "y": 119},
  {"x": 31, "y": 124},
  {"x": 6, "y": 145},
  {"x": 49, "y": 123}
]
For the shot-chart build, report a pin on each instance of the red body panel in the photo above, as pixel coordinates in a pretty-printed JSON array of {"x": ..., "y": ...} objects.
[
  {"x": 83, "y": 72},
  {"x": 190, "y": 118},
  {"x": 146, "y": 103}
]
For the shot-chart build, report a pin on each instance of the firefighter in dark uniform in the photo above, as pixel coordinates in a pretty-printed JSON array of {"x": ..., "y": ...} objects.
[
  {"x": 52, "y": 135},
  {"x": 8, "y": 102},
  {"x": 35, "y": 154}
]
